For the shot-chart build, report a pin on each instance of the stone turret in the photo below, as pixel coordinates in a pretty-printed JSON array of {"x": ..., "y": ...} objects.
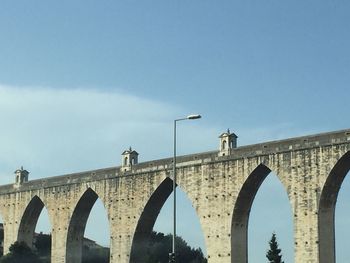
[
  {"x": 129, "y": 158},
  {"x": 21, "y": 176},
  {"x": 228, "y": 141}
]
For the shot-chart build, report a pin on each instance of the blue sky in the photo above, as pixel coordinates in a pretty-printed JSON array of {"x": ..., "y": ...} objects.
[
  {"x": 248, "y": 55},
  {"x": 80, "y": 81}
]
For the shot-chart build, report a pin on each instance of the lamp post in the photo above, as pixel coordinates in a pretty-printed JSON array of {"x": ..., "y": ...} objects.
[{"x": 172, "y": 255}]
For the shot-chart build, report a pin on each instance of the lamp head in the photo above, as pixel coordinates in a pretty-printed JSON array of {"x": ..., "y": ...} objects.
[{"x": 194, "y": 116}]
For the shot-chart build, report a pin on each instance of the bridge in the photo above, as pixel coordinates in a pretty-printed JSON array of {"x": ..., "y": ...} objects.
[{"x": 220, "y": 184}]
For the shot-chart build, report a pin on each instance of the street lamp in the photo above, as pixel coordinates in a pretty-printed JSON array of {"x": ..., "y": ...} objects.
[{"x": 172, "y": 255}]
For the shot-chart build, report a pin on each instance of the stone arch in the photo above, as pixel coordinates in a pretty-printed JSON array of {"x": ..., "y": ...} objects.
[
  {"x": 29, "y": 220},
  {"x": 148, "y": 218},
  {"x": 150, "y": 213},
  {"x": 326, "y": 210},
  {"x": 241, "y": 211},
  {"x": 77, "y": 226}
]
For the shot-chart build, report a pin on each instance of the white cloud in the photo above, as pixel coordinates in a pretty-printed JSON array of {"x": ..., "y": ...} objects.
[{"x": 56, "y": 131}]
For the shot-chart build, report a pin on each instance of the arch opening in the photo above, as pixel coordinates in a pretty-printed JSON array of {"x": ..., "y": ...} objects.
[
  {"x": 96, "y": 243},
  {"x": 341, "y": 223},
  {"x": 250, "y": 207},
  {"x": 326, "y": 213},
  {"x": 271, "y": 212},
  {"x": 34, "y": 222},
  {"x": 42, "y": 236},
  {"x": 29, "y": 221},
  {"x": 77, "y": 245},
  {"x": 157, "y": 219}
]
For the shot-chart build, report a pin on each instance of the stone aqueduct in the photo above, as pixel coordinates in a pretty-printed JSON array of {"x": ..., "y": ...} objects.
[{"x": 220, "y": 184}]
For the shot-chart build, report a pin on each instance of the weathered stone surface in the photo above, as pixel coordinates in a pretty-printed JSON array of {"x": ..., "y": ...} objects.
[{"x": 221, "y": 189}]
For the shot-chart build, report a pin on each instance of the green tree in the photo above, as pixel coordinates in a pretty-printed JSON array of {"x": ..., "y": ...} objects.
[
  {"x": 20, "y": 252},
  {"x": 96, "y": 255},
  {"x": 273, "y": 254},
  {"x": 43, "y": 244},
  {"x": 159, "y": 247}
]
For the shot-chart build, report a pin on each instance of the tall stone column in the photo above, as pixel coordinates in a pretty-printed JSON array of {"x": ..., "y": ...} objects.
[
  {"x": 304, "y": 195},
  {"x": 11, "y": 215},
  {"x": 10, "y": 234},
  {"x": 218, "y": 238},
  {"x": 59, "y": 243},
  {"x": 306, "y": 237}
]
